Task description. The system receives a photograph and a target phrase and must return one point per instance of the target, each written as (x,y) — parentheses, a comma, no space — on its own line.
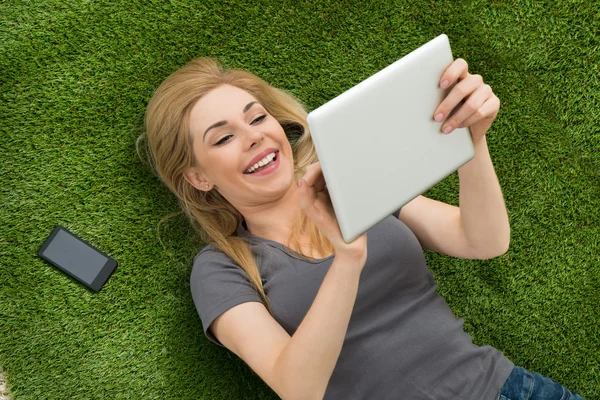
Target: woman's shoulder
(212,257)
(212,264)
(210,253)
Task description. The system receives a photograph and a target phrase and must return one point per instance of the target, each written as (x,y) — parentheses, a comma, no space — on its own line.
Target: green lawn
(75,77)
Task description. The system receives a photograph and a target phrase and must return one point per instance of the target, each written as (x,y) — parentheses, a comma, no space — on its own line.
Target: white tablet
(378,144)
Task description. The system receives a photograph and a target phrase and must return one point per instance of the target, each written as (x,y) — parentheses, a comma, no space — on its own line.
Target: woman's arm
(307,362)
(479,228)
(484,219)
(483,214)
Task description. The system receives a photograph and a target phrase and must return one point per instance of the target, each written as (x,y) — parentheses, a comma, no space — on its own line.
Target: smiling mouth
(258,168)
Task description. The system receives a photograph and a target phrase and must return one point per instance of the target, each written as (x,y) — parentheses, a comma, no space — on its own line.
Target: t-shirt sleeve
(218,284)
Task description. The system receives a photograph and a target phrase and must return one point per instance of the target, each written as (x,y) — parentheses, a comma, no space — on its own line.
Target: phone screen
(77,258)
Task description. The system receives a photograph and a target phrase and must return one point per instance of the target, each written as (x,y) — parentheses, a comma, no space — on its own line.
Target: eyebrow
(221,123)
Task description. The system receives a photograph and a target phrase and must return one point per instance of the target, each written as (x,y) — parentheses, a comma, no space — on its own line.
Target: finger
(459,92)
(457,70)
(327,200)
(489,109)
(317,208)
(311,173)
(306,197)
(314,176)
(472,104)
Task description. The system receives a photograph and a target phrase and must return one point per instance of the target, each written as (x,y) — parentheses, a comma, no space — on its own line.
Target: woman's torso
(403,341)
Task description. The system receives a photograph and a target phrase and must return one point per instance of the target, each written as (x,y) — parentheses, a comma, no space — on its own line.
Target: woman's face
(230,130)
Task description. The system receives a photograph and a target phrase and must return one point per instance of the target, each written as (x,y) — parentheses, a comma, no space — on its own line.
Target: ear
(197,179)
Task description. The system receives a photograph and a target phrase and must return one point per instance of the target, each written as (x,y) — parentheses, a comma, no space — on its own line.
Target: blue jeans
(525,385)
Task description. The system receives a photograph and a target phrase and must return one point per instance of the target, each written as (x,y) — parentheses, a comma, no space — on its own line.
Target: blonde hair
(170,153)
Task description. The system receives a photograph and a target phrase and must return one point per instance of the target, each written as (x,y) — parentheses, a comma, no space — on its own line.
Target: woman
(313,316)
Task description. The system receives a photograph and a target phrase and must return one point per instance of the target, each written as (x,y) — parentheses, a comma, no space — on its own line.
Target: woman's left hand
(478,105)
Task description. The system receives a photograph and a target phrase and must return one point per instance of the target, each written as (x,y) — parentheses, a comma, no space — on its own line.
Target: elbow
(499,248)
(295,389)
(488,243)
(504,244)
(488,254)
(500,251)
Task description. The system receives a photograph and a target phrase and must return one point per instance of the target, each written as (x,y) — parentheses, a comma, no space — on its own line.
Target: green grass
(75,79)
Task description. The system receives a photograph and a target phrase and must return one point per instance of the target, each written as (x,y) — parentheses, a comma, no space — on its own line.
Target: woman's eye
(259,119)
(222,140)
(255,121)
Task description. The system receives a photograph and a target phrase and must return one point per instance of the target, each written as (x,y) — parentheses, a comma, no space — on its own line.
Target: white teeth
(261,163)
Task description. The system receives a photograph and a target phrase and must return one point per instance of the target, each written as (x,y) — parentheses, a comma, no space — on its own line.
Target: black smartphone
(77,258)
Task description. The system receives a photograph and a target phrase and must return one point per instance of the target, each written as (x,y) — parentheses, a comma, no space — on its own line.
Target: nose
(254,137)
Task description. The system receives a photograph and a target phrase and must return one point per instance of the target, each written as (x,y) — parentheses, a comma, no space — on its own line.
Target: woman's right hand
(316,204)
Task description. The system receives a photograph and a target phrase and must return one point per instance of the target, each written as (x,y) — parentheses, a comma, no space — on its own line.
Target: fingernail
(439,117)
(444,84)
(447,129)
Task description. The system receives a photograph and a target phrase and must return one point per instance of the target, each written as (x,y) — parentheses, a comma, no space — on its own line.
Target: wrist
(351,259)
(480,141)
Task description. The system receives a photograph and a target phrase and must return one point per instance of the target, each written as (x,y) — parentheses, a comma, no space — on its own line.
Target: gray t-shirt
(402,342)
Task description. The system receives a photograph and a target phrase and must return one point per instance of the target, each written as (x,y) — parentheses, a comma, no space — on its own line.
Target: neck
(274,221)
